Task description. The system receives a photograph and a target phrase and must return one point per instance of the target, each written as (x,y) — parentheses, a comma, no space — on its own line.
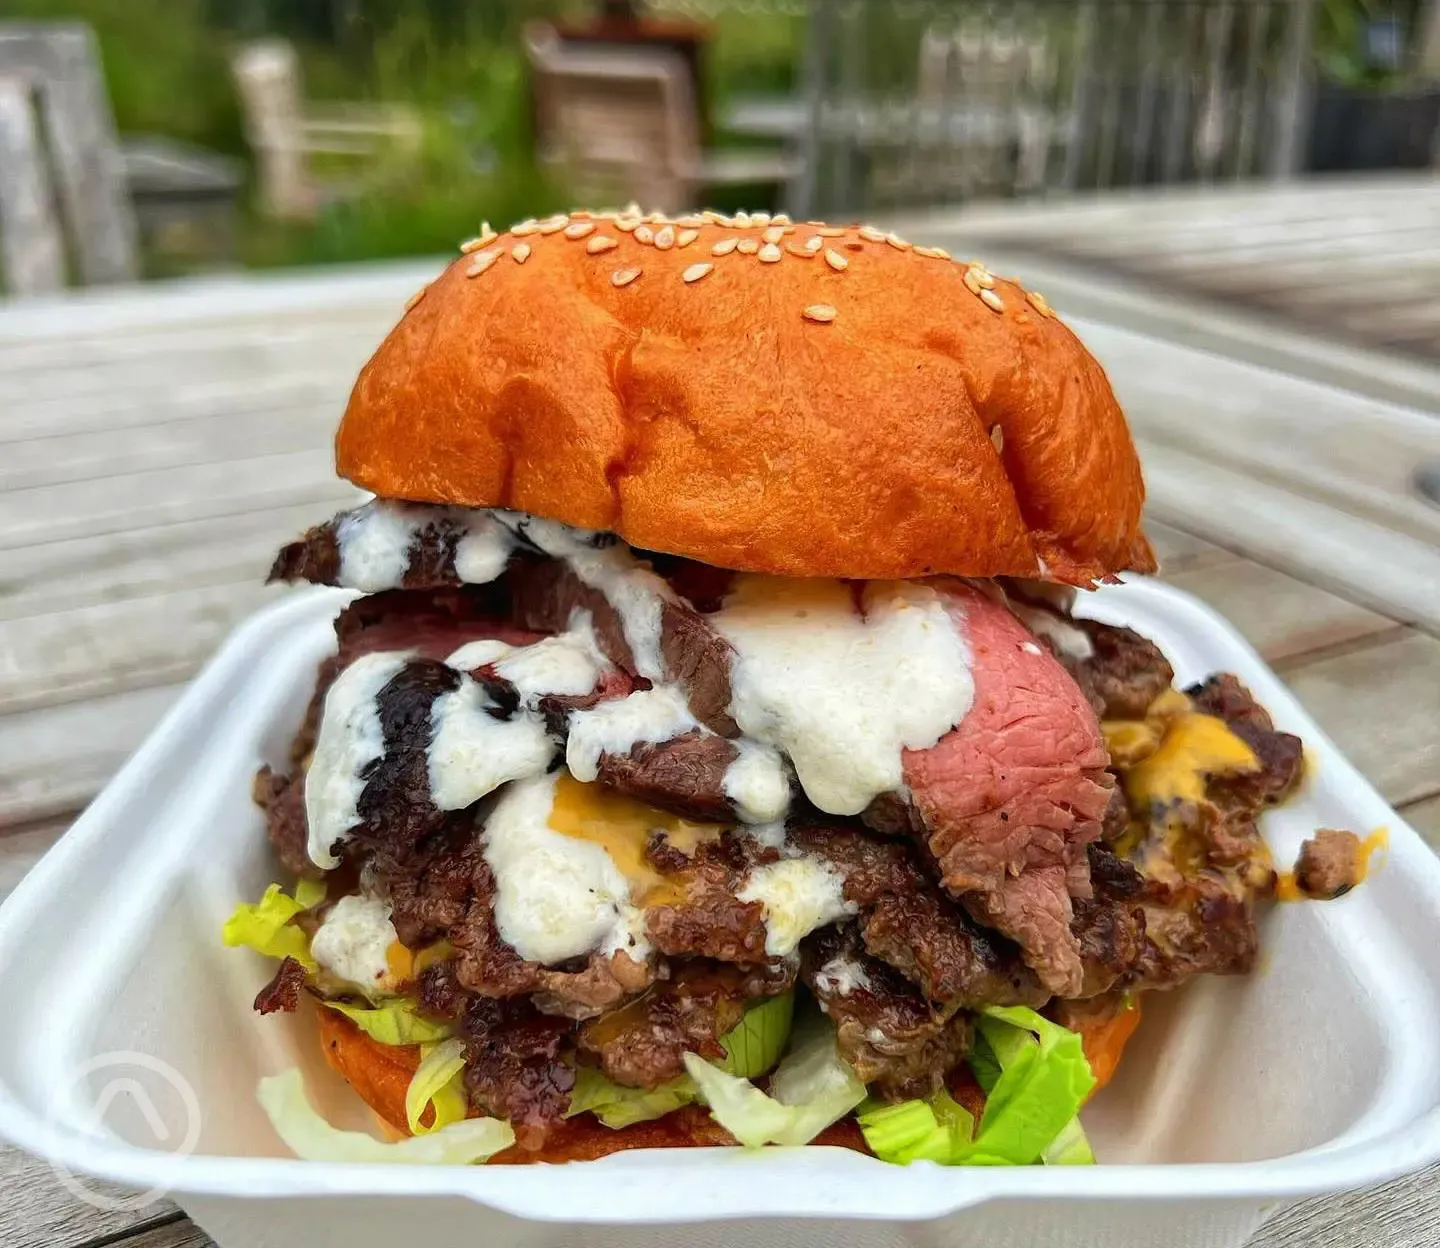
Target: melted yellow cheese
(1130,741)
(623,828)
(1194,746)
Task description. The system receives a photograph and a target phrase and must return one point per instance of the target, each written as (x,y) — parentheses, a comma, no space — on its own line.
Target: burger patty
(1012,872)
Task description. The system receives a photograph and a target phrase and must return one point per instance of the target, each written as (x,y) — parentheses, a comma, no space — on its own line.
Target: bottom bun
(380,1073)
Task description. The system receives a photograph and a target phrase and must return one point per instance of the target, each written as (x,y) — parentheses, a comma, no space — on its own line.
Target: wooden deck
(156,447)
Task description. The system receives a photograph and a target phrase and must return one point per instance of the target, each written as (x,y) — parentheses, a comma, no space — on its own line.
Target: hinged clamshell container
(1314,1074)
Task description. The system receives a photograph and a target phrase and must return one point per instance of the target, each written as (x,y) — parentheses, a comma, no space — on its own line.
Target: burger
(709,753)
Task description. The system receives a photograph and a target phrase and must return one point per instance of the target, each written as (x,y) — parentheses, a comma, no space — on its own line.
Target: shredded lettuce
(1035,1077)
(813,1087)
(266,927)
(755,1043)
(620,1107)
(309,1136)
(1044,1079)
(438,1082)
(394,1022)
(752,1047)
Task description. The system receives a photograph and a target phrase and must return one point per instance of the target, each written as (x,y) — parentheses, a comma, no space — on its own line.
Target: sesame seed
(992,300)
(814,244)
(644,234)
(623,277)
(473,244)
(934,253)
(997,436)
(1041,306)
(601,242)
(627,224)
(835,260)
(897,242)
(741,220)
(632,209)
(725,246)
(821,312)
(986,280)
(522,228)
(520,252)
(796,250)
(656,218)
(609,214)
(759,219)
(686,237)
(781,218)
(552,224)
(481,261)
(831,231)
(486,231)
(774,234)
(747,246)
(853,244)
(715,218)
(972,282)
(578,229)
(870,234)
(664,237)
(691,222)
(770,253)
(696,271)
(415,298)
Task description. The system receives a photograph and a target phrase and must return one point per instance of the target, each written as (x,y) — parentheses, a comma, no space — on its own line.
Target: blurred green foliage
(458,63)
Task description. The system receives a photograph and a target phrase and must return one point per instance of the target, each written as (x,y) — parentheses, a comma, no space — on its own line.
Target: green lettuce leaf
(752,1047)
(395,1022)
(1035,1077)
(309,1136)
(620,1107)
(813,1087)
(266,927)
(437,1081)
(755,1043)
(1044,1079)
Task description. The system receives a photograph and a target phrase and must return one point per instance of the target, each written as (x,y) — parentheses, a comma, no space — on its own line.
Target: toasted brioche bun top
(793,400)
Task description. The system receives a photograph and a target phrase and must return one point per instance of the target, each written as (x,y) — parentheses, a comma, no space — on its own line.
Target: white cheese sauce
(757,783)
(629,585)
(799,894)
(375,543)
(354,942)
(556,896)
(348,741)
(617,726)
(484,548)
(842,975)
(840,692)
(568,663)
(472,753)
(1070,641)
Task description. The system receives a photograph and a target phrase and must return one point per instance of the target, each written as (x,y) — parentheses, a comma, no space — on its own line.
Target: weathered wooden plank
(179,1233)
(1389,572)
(1381,705)
(1178,550)
(61,576)
(1278,615)
(36,1211)
(55,759)
(1424,817)
(170,444)
(23,846)
(111,647)
(1402,1214)
(163,496)
(30,240)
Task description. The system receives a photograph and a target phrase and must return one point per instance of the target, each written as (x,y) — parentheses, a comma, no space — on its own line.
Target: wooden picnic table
(158,445)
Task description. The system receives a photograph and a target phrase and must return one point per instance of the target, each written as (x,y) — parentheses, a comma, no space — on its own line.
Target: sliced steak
(1281,754)
(644,1044)
(515,1065)
(685,774)
(1329,865)
(702,917)
(1125,672)
(283,991)
(908,922)
(282,798)
(433,624)
(1110,925)
(898,1042)
(1010,798)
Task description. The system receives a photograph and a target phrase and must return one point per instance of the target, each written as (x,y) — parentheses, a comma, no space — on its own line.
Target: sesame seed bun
(794,400)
